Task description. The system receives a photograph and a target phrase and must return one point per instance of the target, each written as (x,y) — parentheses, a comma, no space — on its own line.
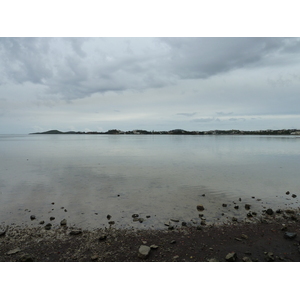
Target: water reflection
(88,177)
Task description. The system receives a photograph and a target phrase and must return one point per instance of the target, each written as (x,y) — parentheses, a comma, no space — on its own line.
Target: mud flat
(275,236)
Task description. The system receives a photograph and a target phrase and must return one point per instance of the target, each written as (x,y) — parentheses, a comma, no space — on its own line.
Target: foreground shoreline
(273,238)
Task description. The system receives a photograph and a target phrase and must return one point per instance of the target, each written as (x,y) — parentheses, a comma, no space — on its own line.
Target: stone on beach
(144,251)
(231,257)
(200,207)
(290,235)
(63,222)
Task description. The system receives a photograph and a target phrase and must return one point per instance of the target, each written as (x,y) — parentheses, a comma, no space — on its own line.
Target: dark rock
(247,206)
(135,216)
(203,195)
(63,222)
(32,217)
(52,218)
(174,220)
(201,215)
(48,226)
(270,211)
(200,207)
(42,222)
(144,251)
(278,211)
(2,233)
(65,210)
(135,219)
(199,227)
(173,242)
(183,224)
(108,217)
(52,203)
(203,223)
(148,217)
(294,196)
(102,237)
(171,227)
(111,222)
(236,207)
(224,205)
(234,219)
(249,215)
(287,192)
(290,235)
(75,232)
(269,256)
(231,257)
(240,199)
(141,220)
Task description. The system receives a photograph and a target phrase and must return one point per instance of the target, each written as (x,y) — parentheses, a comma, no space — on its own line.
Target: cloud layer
(183,80)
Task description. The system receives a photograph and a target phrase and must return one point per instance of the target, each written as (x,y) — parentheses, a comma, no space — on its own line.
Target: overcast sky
(88,84)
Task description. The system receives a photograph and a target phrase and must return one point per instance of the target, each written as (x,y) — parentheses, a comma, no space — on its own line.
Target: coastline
(274,237)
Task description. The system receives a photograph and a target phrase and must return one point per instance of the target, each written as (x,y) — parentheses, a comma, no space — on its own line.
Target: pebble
(290,235)
(42,222)
(224,205)
(144,251)
(173,242)
(135,216)
(247,206)
(270,211)
(141,220)
(52,218)
(111,222)
(14,251)
(95,257)
(48,226)
(231,257)
(32,217)
(153,246)
(247,259)
(174,220)
(200,207)
(108,217)
(63,222)
(294,196)
(244,236)
(236,207)
(75,232)
(102,237)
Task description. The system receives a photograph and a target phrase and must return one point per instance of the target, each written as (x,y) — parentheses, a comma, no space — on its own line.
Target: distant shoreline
(184,132)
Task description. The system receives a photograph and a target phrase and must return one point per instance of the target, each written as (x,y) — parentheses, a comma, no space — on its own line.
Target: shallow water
(161,176)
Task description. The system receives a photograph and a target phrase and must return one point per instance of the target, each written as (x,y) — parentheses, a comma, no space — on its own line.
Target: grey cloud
(186,114)
(221,113)
(71,68)
(205,120)
(236,119)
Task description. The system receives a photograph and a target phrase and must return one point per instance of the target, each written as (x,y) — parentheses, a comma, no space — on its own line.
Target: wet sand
(273,237)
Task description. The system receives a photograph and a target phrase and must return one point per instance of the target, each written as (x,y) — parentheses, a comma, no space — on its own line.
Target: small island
(184,132)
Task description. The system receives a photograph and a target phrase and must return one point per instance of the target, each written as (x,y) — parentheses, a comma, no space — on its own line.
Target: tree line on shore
(184,132)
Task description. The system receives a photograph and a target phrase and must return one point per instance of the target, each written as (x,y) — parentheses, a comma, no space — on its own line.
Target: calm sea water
(91,176)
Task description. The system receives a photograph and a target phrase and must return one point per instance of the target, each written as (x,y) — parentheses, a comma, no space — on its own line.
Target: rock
(32,217)
(111,222)
(270,211)
(269,256)
(141,220)
(52,218)
(153,246)
(238,239)
(25,258)
(174,220)
(65,210)
(201,215)
(249,215)
(135,216)
(247,259)
(200,207)
(148,217)
(183,224)
(171,227)
(244,236)
(247,206)
(173,242)
(287,192)
(294,196)
(290,235)
(224,205)
(75,232)
(284,227)
(108,217)
(236,207)
(52,203)
(94,257)
(2,233)
(199,227)
(203,223)
(212,260)
(48,226)
(102,237)
(203,195)
(234,219)
(63,222)
(144,251)
(231,256)
(14,251)
(167,224)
